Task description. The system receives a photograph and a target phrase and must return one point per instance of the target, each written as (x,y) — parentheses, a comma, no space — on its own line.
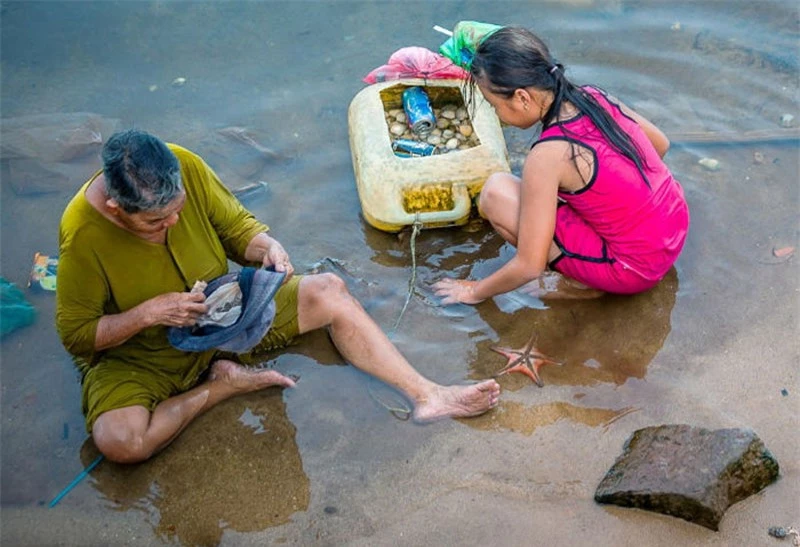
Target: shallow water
(713,345)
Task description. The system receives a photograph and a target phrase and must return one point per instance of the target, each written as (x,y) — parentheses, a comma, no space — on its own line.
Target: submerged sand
(715,344)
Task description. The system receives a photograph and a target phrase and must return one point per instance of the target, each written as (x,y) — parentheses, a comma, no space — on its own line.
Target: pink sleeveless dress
(620,233)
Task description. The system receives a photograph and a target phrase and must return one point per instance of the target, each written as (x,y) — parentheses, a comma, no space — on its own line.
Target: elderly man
(133,241)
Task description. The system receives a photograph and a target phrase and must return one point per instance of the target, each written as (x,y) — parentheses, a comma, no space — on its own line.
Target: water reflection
(236,467)
(526,419)
(609,339)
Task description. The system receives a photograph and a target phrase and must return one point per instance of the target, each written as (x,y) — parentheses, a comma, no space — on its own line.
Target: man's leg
(132,434)
(324,301)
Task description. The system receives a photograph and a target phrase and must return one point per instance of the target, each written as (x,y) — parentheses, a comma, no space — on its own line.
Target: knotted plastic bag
(415,62)
(467,36)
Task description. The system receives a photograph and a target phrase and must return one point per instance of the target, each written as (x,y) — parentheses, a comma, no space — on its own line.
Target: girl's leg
(500,205)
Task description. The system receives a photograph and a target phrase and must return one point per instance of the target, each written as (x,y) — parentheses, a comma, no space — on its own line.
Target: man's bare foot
(458,401)
(243,380)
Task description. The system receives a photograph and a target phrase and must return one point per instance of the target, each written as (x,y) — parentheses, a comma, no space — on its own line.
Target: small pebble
(785,392)
(787,120)
(401,117)
(758,157)
(452,144)
(709,163)
(465,129)
(153,88)
(331,510)
(777,532)
(676,25)
(177,82)
(397,128)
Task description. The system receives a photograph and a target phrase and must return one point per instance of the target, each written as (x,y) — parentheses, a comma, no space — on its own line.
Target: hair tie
(553,68)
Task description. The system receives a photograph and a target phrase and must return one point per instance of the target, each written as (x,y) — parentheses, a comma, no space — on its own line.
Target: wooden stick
(736,137)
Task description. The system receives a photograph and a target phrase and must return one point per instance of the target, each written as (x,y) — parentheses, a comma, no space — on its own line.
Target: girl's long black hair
(514,58)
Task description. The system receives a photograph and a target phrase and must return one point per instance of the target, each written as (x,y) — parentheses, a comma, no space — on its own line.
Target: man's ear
(113,206)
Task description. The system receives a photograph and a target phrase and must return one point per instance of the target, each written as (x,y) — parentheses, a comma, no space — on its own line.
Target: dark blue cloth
(258,288)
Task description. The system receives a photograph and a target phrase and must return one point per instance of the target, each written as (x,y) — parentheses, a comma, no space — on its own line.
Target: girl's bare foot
(244,380)
(552,286)
(457,401)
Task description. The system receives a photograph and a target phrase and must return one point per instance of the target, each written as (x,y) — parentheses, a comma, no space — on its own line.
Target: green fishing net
(467,36)
(15,311)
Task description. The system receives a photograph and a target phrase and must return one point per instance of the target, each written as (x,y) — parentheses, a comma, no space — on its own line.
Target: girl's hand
(455,291)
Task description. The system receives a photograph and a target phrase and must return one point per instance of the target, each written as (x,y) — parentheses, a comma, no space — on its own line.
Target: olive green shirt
(104,269)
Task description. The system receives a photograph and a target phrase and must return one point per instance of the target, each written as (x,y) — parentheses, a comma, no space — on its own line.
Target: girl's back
(644,220)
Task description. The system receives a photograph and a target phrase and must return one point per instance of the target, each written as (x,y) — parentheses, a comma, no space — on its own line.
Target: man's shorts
(113,384)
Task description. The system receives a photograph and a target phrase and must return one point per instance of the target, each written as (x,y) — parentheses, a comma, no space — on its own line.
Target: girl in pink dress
(595,203)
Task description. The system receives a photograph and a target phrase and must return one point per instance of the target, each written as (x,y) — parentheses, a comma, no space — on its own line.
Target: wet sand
(714,345)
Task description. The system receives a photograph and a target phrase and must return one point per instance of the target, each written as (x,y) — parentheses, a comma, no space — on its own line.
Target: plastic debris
(43,273)
(16,311)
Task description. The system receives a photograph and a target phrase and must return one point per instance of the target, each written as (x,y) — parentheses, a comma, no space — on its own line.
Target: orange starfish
(528,361)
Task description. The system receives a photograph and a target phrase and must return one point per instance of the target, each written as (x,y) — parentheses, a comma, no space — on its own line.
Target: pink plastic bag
(416,62)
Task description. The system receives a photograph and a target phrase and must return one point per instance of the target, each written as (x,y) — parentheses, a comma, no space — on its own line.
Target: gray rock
(688,472)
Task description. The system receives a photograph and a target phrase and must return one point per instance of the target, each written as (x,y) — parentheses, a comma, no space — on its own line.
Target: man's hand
(270,253)
(277,256)
(176,309)
(455,291)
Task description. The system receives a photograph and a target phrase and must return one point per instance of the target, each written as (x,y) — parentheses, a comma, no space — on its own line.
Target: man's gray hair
(141,172)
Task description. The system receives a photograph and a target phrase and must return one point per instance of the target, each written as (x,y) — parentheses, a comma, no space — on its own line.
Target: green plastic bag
(467,36)
(15,311)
